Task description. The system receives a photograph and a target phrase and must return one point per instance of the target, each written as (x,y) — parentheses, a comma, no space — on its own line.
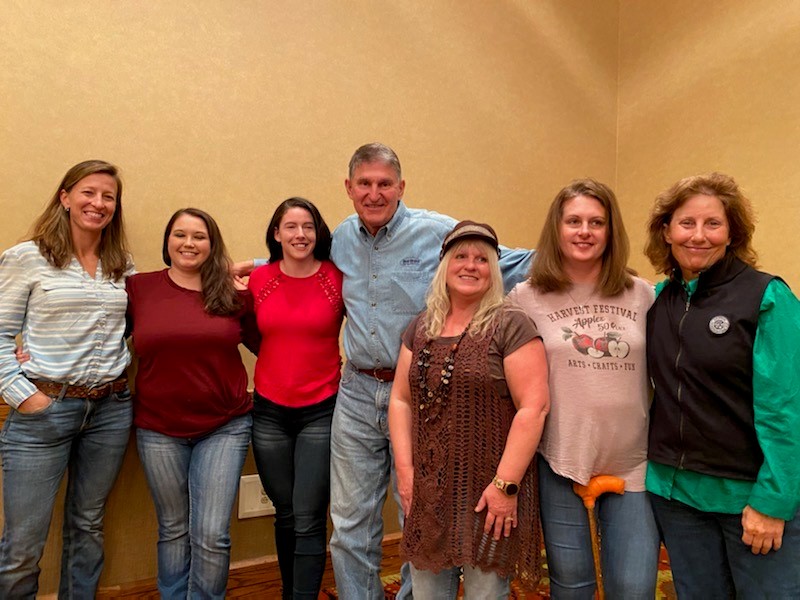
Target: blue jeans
(478,584)
(361,465)
(292,452)
(194,483)
(710,561)
(87,439)
(630,541)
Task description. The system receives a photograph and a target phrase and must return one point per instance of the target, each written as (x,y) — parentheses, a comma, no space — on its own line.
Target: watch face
(512,489)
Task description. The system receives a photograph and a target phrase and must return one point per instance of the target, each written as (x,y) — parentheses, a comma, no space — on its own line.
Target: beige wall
(234,106)
(713,86)
(492,107)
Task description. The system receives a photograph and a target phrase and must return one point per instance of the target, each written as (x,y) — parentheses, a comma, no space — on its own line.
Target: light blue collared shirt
(386,279)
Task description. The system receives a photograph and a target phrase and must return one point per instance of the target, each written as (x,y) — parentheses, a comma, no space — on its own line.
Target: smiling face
(376,191)
(698,234)
(91,203)
(583,232)
(296,234)
(188,245)
(468,274)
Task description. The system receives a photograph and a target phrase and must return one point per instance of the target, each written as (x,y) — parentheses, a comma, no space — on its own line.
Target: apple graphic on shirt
(618,349)
(601,345)
(582,343)
(595,353)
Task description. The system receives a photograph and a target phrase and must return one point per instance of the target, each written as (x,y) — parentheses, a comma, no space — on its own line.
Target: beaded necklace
(434,398)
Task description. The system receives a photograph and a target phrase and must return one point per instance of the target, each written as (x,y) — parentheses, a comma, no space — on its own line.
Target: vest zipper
(680,383)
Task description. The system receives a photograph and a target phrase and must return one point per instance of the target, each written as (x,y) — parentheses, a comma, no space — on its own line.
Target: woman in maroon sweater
(299,309)
(192,408)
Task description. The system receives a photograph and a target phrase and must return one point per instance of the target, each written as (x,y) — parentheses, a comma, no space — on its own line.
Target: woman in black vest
(722,354)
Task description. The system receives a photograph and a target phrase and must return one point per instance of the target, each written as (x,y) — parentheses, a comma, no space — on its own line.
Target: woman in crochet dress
(466,411)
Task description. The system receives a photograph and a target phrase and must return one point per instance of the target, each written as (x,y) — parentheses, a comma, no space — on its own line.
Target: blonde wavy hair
(438,300)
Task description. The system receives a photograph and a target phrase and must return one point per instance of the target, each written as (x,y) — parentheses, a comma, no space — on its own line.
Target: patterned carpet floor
(664,588)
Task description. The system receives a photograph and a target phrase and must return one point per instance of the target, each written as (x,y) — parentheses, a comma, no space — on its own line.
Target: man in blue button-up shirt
(388,254)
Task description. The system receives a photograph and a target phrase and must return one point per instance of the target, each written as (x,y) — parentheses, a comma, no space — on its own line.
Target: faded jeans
(361,466)
(194,483)
(85,438)
(630,541)
(478,584)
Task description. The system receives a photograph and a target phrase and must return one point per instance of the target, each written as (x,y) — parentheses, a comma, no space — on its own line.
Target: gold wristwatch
(509,488)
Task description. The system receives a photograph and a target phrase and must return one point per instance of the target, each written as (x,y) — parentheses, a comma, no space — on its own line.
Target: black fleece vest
(700,360)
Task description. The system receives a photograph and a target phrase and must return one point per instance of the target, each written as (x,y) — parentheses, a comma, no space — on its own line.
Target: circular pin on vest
(719,325)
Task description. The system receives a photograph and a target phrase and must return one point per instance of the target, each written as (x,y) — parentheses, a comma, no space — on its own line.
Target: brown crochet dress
(455,455)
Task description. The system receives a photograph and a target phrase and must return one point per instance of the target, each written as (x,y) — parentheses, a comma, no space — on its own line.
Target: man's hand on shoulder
(242,269)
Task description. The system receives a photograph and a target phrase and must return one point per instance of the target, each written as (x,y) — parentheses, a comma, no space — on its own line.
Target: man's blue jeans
(194,483)
(709,560)
(87,439)
(629,549)
(292,452)
(361,464)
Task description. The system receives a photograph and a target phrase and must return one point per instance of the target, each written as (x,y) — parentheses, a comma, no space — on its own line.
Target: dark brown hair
(219,294)
(322,247)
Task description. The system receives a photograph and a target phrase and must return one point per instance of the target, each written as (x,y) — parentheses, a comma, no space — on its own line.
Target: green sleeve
(776,402)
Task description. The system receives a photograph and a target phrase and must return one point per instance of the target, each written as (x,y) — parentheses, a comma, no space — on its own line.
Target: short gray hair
(375,152)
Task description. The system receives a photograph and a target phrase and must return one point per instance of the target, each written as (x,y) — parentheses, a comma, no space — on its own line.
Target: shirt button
(374,276)
(373,304)
(372,332)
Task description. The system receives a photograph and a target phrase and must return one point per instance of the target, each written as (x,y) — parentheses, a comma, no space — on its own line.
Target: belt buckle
(377,378)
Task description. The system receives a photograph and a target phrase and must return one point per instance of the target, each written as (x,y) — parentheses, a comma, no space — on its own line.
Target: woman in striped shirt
(64,291)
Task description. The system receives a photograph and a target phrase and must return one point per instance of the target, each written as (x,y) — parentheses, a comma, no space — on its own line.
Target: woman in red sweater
(192,408)
(299,311)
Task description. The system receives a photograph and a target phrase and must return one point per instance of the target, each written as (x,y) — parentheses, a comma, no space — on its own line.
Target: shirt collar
(391,227)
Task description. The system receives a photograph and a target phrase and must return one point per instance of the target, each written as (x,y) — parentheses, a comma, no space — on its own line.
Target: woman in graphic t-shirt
(591,312)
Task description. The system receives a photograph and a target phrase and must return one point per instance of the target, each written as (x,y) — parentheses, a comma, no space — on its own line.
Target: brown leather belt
(51,388)
(382,375)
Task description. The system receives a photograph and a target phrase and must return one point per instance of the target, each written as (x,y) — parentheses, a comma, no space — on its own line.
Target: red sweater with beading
(299,319)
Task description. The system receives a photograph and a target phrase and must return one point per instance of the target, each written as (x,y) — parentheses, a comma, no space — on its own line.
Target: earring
(66,208)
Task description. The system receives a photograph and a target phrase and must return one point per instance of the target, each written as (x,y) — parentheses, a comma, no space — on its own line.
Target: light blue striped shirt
(72,325)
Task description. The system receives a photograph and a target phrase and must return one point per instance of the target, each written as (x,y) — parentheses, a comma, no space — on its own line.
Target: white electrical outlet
(253,500)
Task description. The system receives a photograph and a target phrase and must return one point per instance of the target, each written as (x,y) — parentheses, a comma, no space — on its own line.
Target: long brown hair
(219,294)
(52,233)
(738,211)
(547,271)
